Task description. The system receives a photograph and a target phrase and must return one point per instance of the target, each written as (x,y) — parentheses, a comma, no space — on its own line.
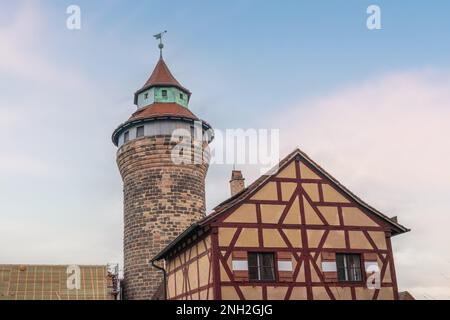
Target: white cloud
(23,49)
(53,192)
(16,38)
(387,140)
(8,118)
(54,242)
(22,164)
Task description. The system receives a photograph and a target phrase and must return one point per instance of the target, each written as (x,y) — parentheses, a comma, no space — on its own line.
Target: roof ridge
(283,162)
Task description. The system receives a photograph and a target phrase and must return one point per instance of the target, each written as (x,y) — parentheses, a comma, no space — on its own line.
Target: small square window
(140,131)
(181,96)
(126,137)
(349,267)
(164,93)
(261,266)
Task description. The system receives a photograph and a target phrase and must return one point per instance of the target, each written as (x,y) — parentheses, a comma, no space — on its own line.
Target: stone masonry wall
(161,200)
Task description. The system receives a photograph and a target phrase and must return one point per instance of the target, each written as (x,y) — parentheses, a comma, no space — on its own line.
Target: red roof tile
(163,109)
(161,76)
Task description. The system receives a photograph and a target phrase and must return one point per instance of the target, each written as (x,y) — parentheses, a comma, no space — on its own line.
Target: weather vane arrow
(159,37)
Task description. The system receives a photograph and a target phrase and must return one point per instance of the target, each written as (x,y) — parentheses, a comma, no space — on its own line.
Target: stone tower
(162,195)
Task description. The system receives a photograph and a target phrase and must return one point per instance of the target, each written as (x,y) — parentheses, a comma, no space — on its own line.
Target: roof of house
(252,188)
(49,282)
(227,204)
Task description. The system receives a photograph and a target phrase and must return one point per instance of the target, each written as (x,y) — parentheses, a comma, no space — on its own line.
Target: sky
(370,106)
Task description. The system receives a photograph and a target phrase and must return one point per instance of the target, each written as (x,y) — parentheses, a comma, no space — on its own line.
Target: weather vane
(161,45)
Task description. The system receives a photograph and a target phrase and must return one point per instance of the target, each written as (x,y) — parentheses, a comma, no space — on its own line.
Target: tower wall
(161,199)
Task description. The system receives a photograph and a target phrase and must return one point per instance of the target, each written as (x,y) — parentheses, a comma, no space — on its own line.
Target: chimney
(237,182)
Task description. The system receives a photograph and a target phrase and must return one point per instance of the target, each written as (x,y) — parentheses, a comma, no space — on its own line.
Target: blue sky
(361,102)
(298,48)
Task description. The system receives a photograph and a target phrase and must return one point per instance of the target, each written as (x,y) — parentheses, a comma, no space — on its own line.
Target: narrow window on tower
(164,94)
(126,137)
(181,96)
(261,266)
(140,131)
(349,267)
(146,96)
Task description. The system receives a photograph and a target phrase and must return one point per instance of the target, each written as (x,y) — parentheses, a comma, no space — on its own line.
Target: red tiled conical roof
(161,76)
(163,110)
(157,111)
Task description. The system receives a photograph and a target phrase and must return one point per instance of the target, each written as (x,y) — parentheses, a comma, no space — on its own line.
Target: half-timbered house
(295,233)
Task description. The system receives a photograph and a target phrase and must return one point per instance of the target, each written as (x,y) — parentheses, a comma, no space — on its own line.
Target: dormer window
(164,94)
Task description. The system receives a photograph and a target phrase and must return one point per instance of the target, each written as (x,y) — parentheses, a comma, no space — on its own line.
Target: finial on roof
(161,45)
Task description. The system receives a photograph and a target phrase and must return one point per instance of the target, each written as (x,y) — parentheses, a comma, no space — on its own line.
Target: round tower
(163,161)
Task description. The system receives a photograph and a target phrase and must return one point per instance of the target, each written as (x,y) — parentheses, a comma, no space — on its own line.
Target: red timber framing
(301,212)
(189,271)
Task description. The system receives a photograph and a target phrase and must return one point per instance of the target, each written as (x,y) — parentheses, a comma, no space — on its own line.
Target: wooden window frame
(274,267)
(361,267)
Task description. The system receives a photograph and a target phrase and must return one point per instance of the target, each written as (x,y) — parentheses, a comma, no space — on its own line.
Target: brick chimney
(237,182)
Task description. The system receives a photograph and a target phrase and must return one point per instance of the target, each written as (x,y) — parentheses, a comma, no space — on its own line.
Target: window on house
(261,266)
(181,96)
(349,267)
(145,96)
(140,131)
(164,93)
(126,137)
